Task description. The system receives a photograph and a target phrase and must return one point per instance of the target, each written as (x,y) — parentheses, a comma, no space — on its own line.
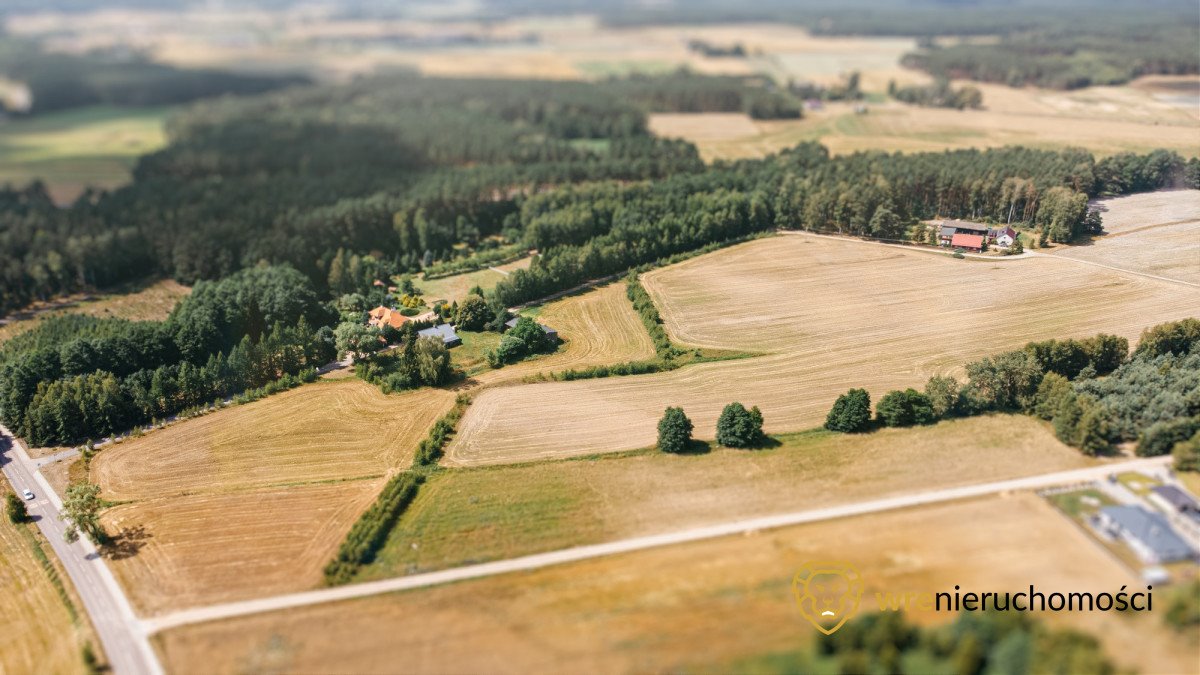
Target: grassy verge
(471,515)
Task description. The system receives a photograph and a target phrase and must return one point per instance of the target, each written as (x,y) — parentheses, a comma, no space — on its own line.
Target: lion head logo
(828,593)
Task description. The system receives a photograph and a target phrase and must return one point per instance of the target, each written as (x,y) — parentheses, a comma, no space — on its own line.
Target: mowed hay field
(689,606)
(499,512)
(151,303)
(327,430)
(1155,233)
(39,634)
(254,499)
(597,327)
(1104,120)
(832,314)
(183,551)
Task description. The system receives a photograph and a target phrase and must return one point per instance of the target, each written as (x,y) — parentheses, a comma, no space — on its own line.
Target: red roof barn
(971,242)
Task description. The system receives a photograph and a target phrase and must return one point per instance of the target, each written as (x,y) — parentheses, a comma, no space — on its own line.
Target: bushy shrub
(943,394)
(15,508)
(738,427)
(1187,454)
(905,408)
(851,412)
(674,431)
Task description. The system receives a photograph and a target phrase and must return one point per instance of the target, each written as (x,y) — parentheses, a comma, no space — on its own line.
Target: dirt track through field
(833,315)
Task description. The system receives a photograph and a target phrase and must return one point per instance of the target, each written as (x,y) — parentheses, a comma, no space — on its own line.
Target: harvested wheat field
(1154,233)
(731,595)
(500,512)
(39,633)
(181,551)
(323,431)
(598,327)
(832,314)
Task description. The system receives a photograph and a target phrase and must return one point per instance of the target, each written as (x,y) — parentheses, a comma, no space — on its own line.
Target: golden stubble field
(39,633)
(254,499)
(1154,232)
(832,314)
(686,607)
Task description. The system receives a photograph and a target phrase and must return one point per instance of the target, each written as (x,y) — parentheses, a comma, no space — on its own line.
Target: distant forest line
(419,171)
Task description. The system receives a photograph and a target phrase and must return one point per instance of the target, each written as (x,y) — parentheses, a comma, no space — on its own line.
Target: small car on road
(27,494)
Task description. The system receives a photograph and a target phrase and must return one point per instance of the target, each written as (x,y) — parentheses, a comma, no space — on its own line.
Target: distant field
(324,431)
(38,631)
(457,287)
(204,548)
(833,314)
(73,150)
(1156,233)
(474,515)
(1105,120)
(730,595)
(254,499)
(150,303)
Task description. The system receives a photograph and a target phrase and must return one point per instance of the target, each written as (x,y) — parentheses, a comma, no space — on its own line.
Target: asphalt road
(533,562)
(125,644)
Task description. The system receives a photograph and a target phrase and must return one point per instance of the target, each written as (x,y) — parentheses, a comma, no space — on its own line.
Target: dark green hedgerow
(368,535)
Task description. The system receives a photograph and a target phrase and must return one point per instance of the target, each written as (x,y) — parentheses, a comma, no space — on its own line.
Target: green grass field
(72,150)
(471,515)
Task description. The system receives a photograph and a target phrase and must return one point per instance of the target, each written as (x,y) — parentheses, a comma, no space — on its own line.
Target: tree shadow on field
(697,447)
(126,543)
(765,443)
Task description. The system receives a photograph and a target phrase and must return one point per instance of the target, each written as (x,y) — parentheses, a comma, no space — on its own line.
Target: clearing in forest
(831,314)
(149,303)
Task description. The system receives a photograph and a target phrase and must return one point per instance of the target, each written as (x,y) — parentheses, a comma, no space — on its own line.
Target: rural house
(949,228)
(385,316)
(1002,237)
(1148,534)
(444,332)
(1181,508)
(553,334)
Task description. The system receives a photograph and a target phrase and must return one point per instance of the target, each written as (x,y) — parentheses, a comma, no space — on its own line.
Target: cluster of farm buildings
(961,234)
(385,316)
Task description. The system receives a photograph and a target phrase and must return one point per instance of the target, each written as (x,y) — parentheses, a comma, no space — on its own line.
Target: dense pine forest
(418,171)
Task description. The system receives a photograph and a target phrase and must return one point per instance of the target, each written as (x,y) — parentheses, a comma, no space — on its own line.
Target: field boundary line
(161,623)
